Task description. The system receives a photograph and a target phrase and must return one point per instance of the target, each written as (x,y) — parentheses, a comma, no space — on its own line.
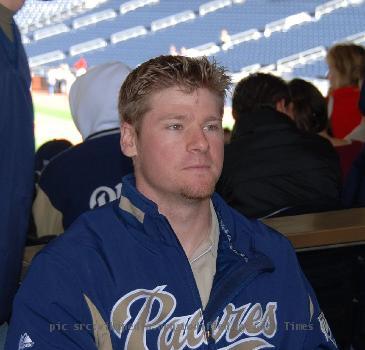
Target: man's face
(179,149)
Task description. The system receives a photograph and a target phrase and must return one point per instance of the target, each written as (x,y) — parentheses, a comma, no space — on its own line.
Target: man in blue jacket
(169,265)
(16,154)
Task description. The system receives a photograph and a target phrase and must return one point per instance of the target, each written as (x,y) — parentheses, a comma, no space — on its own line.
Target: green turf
(53,112)
(56,115)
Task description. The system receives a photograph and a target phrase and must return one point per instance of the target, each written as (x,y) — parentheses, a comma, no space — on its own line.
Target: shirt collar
(210,244)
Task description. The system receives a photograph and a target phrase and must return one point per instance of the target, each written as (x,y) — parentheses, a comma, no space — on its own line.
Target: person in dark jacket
(16,155)
(87,175)
(270,166)
(46,152)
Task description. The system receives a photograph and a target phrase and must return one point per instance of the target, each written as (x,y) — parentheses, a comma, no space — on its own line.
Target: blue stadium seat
(235,18)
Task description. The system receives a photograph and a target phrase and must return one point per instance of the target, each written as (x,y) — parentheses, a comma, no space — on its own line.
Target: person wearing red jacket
(346,63)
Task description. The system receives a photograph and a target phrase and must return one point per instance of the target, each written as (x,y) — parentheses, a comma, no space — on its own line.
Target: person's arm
(320,336)
(318,333)
(51,310)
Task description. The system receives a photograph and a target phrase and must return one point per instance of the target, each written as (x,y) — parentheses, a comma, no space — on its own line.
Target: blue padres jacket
(16,164)
(119,279)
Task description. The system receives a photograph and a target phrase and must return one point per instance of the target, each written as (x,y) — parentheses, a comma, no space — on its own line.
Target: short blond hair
(349,61)
(164,72)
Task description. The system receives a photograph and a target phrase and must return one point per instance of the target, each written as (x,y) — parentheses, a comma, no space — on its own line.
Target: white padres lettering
(103,195)
(189,331)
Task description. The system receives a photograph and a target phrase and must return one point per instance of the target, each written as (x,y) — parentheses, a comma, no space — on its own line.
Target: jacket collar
(231,224)
(135,202)
(99,134)
(238,263)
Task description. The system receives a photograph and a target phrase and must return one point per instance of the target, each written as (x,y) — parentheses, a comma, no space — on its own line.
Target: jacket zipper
(196,295)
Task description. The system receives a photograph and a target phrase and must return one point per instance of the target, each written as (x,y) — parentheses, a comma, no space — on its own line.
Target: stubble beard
(198,193)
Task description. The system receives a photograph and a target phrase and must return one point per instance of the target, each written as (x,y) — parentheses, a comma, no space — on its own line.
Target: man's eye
(175,127)
(212,127)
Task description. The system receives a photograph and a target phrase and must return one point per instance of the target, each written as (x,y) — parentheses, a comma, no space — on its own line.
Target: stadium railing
(322,230)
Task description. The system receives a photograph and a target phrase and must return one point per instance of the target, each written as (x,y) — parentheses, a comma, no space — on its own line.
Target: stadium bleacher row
(262,32)
(36,14)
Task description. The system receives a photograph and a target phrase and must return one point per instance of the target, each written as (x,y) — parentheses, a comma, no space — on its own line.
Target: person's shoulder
(101,149)
(88,231)
(88,240)
(64,166)
(346,92)
(57,176)
(267,238)
(264,238)
(102,141)
(271,243)
(313,141)
(238,150)
(323,146)
(59,164)
(247,230)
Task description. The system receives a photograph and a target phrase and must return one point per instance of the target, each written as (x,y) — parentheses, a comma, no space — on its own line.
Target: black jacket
(272,166)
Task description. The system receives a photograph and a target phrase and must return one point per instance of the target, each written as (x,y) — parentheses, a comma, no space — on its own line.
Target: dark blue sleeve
(319,336)
(50,311)
(318,332)
(16,169)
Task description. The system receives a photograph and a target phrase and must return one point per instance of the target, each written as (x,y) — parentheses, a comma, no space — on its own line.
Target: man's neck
(191,220)
(11,4)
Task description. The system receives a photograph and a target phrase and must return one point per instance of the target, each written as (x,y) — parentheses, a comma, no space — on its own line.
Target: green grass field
(53,119)
(62,114)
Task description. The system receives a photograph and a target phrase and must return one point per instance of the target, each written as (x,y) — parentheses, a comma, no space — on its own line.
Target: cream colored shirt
(203,261)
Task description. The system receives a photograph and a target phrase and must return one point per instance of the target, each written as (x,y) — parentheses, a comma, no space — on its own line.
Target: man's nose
(197,140)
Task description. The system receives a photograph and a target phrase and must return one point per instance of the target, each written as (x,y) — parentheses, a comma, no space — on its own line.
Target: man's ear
(128,139)
(290,110)
(281,106)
